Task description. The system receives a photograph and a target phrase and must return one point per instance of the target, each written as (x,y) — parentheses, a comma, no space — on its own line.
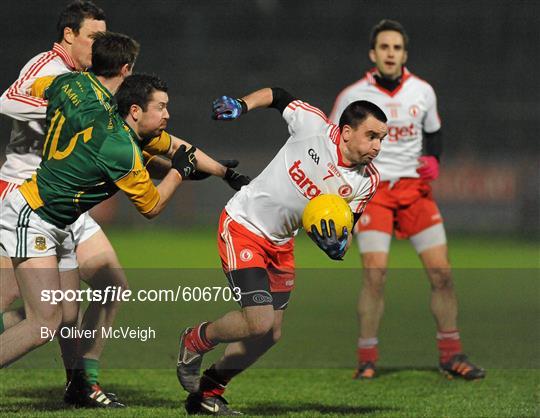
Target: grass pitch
(309,372)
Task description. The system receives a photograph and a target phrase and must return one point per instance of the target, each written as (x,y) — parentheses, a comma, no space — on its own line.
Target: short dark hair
(111,51)
(137,89)
(358,111)
(73,15)
(387,24)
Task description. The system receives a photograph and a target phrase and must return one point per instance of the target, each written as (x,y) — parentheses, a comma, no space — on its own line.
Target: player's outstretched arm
(228,108)
(207,166)
(183,164)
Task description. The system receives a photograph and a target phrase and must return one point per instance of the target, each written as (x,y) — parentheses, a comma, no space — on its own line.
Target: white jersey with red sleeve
(23,153)
(309,164)
(411,109)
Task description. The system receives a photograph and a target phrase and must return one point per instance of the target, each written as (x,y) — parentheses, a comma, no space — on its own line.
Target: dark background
(481,57)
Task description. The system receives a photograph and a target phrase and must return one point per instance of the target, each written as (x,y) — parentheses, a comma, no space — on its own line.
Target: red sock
(367,350)
(449,344)
(196,340)
(212,383)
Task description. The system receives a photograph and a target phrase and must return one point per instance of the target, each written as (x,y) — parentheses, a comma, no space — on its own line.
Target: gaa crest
(40,244)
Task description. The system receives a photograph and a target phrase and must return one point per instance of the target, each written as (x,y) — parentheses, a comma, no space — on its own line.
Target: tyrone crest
(345,190)
(246,255)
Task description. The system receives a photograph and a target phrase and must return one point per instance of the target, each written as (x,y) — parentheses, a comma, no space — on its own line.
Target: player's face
(81,43)
(389,54)
(362,145)
(154,120)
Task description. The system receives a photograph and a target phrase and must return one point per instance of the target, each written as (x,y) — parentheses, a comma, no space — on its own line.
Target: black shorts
(253,286)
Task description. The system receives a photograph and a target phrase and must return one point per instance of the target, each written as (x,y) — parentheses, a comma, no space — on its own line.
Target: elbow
(150,215)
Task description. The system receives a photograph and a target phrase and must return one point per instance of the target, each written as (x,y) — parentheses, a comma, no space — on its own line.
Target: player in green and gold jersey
(89,154)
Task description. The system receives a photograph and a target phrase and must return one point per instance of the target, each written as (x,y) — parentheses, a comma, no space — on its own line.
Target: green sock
(91,369)
(1,322)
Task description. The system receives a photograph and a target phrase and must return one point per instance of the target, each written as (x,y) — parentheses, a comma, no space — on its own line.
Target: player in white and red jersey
(408,162)
(77,23)
(258,225)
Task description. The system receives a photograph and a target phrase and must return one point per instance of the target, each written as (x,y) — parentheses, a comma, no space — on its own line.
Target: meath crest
(40,244)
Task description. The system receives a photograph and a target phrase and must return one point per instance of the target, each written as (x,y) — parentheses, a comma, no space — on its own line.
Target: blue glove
(228,108)
(333,246)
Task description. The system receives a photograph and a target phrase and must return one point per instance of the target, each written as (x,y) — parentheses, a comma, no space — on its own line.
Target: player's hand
(429,168)
(184,161)
(329,242)
(235,179)
(228,108)
(201,175)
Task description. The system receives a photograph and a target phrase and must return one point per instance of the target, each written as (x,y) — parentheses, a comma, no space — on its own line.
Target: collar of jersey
(132,133)
(94,80)
(341,163)
(62,53)
(371,79)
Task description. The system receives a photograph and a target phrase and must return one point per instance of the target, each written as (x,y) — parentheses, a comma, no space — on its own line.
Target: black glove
(201,175)
(236,180)
(333,246)
(184,161)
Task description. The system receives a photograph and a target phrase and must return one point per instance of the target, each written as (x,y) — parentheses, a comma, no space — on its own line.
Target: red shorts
(6,187)
(406,208)
(240,248)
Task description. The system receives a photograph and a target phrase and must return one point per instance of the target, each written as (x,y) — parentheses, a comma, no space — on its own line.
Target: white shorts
(83,228)
(23,234)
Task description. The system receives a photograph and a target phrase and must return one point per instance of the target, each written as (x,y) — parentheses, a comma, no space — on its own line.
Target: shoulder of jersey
(360,84)
(116,140)
(40,61)
(70,78)
(420,81)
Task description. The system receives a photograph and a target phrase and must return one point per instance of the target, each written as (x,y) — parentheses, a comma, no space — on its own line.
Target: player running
(404,203)
(258,225)
(76,25)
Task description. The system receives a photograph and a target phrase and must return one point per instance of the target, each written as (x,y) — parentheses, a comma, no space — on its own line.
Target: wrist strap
(244,105)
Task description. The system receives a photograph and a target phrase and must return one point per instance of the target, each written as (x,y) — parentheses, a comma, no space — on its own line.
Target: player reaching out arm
(228,108)
(206,166)
(258,225)
(163,143)
(137,108)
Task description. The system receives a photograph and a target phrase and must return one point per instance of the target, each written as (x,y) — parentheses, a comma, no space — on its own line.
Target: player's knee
(8,295)
(9,291)
(45,324)
(260,328)
(260,323)
(441,279)
(117,277)
(375,279)
(276,335)
(106,277)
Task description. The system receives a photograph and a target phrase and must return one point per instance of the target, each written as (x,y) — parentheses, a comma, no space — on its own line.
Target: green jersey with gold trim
(89,153)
